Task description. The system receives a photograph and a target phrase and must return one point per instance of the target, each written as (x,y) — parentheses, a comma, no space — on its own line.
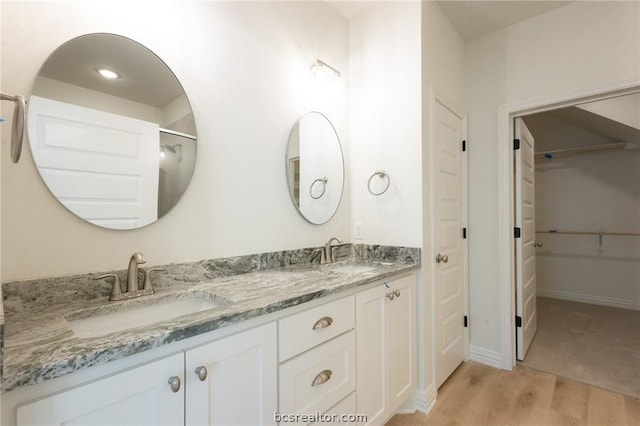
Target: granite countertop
(40,345)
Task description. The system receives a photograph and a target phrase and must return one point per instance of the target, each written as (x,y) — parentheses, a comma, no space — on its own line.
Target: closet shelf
(555,231)
(586,149)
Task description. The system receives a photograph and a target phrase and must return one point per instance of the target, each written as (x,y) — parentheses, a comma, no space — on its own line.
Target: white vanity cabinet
(386,348)
(240,388)
(233,381)
(140,396)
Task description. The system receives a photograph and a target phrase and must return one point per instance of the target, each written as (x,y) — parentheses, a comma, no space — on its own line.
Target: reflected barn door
(101,166)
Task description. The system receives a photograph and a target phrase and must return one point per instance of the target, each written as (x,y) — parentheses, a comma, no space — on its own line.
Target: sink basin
(102,321)
(350,268)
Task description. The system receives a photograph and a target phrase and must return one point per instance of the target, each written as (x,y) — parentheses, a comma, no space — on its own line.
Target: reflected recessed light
(108,73)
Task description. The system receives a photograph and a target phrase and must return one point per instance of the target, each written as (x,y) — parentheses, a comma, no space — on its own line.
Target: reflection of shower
(172,149)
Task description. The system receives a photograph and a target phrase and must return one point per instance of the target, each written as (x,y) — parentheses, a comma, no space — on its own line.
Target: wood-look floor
(479,395)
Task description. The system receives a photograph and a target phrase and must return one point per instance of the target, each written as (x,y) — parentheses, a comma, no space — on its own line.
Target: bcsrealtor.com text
(318,417)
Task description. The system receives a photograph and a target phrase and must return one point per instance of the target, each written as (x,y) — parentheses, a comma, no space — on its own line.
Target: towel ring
(17,126)
(323,181)
(383,175)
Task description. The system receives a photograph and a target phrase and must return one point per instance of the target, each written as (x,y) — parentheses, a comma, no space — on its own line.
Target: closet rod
(553,231)
(586,149)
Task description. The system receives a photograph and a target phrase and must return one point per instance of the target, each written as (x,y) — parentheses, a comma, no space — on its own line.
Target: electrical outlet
(358,231)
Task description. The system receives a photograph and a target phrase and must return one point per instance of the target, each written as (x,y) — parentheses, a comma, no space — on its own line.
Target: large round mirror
(111,131)
(315,168)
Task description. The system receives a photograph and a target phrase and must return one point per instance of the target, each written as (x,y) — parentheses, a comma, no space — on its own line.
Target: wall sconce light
(320,66)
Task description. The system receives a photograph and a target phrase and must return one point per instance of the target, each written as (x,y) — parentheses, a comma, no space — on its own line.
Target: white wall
(245,67)
(590,192)
(385,122)
(576,47)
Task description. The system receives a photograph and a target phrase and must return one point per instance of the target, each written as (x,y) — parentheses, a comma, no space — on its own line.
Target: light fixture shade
(319,66)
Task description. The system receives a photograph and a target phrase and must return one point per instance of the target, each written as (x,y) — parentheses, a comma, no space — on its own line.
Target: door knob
(441,258)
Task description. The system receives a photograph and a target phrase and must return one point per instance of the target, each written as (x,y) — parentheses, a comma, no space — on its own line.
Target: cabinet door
(141,396)
(240,387)
(402,351)
(371,371)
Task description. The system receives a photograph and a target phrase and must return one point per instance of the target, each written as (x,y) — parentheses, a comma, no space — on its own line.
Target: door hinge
(516,144)
(466,321)
(518,321)
(464,145)
(464,233)
(517,232)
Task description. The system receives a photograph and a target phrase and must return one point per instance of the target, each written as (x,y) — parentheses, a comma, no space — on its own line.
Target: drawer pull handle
(323,322)
(201,372)
(174,383)
(322,377)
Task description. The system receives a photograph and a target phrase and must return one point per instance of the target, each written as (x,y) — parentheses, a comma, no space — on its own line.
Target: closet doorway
(586,244)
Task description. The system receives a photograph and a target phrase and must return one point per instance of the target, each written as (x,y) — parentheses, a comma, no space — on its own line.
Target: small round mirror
(315,168)
(111,131)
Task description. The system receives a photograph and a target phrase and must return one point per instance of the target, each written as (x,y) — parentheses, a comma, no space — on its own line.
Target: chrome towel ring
(323,181)
(382,175)
(17,126)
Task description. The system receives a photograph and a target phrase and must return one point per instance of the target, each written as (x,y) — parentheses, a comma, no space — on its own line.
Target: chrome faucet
(328,250)
(133,286)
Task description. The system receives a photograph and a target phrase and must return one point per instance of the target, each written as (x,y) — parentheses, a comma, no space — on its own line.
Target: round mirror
(315,168)
(111,131)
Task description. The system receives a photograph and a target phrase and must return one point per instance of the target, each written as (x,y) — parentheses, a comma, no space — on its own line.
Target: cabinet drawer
(316,380)
(310,328)
(343,413)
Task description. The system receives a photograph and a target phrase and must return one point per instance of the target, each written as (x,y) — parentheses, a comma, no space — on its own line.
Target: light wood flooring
(479,395)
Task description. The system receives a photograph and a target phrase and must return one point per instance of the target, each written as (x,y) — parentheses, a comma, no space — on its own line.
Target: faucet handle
(147,279)
(116,290)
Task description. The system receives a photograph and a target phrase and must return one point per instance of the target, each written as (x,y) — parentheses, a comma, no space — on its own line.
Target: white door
(526,321)
(239,383)
(449,244)
(141,396)
(101,166)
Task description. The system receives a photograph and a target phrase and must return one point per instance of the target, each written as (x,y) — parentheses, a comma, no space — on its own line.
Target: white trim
(426,399)
(593,300)
(486,357)
(506,262)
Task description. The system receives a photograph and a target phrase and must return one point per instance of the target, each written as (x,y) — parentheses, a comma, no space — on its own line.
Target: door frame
(506,200)
(437,97)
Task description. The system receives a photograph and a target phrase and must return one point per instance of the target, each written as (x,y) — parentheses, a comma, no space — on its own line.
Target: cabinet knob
(538,244)
(391,295)
(397,293)
(322,377)
(441,258)
(174,383)
(323,322)
(201,372)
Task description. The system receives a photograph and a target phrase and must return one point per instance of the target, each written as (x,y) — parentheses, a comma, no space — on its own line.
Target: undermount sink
(101,321)
(350,268)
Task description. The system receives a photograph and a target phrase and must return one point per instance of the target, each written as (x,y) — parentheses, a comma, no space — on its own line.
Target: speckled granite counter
(40,345)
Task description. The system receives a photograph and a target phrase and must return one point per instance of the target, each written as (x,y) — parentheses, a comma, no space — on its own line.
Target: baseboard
(584,298)
(485,356)
(426,399)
